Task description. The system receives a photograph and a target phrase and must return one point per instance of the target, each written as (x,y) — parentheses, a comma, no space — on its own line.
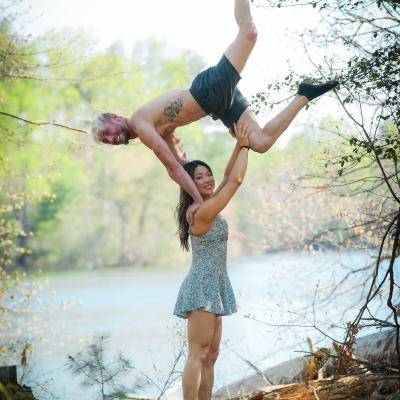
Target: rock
(378,348)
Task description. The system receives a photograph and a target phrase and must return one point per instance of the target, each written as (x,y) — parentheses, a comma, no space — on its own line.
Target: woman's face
(204,180)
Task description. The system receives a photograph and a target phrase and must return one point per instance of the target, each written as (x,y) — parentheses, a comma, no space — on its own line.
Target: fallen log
(353,387)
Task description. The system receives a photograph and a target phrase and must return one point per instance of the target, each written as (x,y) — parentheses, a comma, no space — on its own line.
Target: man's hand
(175,145)
(190,212)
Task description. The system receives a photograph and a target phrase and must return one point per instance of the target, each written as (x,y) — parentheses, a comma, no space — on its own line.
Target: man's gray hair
(98,124)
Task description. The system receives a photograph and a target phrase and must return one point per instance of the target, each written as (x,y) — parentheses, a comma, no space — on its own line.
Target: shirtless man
(213,92)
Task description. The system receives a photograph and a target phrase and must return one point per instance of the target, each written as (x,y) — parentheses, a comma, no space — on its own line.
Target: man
(213,92)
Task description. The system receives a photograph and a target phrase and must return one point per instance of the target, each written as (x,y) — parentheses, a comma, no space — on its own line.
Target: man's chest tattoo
(171,111)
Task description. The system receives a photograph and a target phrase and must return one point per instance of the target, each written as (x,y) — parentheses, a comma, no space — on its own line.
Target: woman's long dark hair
(185,200)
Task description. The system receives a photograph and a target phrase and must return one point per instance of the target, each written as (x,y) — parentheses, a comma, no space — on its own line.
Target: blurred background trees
(67,203)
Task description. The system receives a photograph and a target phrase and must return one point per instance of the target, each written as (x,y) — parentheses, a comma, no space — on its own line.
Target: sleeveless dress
(207,285)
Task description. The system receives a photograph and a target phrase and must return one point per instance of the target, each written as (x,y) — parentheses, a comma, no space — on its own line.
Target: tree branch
(42,123)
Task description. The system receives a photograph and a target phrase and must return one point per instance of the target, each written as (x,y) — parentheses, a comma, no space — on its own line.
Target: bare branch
(43,123)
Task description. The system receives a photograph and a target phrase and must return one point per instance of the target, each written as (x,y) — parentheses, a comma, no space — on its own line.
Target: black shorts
(216,92)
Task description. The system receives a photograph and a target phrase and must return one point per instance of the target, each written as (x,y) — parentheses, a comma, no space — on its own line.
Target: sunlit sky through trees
(206,27)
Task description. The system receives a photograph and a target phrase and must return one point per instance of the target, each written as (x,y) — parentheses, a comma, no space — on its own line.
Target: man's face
(113,133)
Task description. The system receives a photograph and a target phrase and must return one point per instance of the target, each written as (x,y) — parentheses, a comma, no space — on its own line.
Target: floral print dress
(207,285)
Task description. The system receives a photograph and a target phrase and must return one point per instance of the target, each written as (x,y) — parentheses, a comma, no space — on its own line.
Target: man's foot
(312,91)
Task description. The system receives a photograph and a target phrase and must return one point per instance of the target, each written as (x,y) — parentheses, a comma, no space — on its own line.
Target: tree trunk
(8,375)
(23,240)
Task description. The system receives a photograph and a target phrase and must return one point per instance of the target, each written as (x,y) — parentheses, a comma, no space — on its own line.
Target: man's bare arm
(150,137)
(175,145)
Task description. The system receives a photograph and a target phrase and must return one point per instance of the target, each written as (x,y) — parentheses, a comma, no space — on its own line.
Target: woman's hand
(242,134)
(190,212)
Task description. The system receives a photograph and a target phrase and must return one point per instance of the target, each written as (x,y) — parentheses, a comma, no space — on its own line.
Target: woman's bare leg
(207,372)
(240,49)
(201,326)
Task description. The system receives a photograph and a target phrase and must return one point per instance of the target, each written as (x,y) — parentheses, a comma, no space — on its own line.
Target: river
(135,309)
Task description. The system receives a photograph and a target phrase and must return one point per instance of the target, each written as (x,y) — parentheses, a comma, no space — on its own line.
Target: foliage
(18,293)
(67,180)
(65,203)
(104,191)
(366,162)
(103,374)
(100,373)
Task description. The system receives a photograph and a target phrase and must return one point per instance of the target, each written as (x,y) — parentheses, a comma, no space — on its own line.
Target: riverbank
(129,269)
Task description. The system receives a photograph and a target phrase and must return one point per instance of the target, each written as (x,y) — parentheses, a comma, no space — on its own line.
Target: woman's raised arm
(234,175)
(228,168)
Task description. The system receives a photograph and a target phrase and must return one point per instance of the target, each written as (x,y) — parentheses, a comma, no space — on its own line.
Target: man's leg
(261,139)
(277,125)
(207,371)
(280,122)
(239,50)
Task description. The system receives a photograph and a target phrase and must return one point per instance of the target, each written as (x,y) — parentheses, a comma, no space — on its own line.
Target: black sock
(312,91)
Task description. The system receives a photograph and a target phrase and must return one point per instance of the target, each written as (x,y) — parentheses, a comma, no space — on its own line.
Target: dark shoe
(312,91)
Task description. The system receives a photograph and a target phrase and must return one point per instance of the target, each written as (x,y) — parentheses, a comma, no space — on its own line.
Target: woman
(206,293)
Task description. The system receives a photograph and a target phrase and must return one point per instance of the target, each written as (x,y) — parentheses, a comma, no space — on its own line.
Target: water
(135,309)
